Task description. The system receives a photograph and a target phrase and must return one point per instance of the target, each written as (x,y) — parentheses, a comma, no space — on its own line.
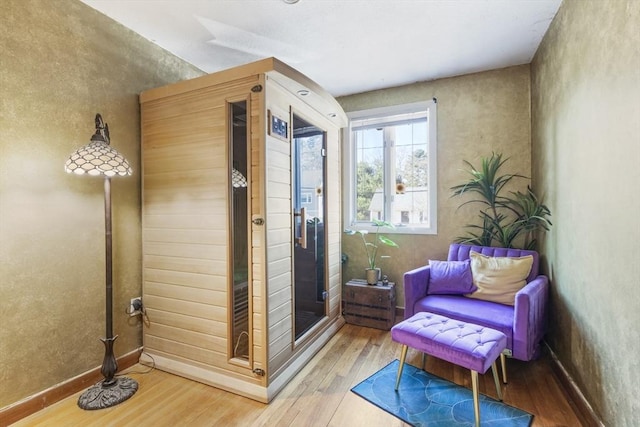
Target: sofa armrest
(530,318)
(416,283)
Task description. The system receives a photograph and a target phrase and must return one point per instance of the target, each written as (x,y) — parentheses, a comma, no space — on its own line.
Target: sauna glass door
(308,199)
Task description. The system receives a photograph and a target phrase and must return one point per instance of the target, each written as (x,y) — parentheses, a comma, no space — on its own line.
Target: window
(390,169)
(305,198)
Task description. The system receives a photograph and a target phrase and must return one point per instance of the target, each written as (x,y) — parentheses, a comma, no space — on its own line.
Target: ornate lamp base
(102,396)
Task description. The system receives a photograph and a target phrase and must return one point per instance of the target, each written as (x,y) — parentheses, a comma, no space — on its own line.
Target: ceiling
(346,46)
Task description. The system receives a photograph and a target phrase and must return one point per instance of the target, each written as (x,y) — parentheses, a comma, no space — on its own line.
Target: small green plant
(506,221)
(371,248)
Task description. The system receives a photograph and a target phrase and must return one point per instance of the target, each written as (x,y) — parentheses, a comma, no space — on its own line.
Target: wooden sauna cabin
(241,226)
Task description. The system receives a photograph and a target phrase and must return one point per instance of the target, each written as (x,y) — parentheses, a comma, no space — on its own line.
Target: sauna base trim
(206,376)
(239,386)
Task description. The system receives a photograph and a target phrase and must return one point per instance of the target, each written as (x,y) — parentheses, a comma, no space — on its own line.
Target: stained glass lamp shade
(98,157)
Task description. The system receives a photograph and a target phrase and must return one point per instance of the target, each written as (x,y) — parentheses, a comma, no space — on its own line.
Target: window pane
(369,148)
(410,206)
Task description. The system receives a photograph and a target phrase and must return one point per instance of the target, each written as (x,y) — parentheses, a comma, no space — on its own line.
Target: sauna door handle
(302,240)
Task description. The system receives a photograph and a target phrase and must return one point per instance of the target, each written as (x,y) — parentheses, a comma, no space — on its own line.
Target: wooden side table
(370,305)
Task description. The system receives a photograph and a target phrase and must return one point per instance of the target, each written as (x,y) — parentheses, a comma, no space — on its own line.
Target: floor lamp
(99,159)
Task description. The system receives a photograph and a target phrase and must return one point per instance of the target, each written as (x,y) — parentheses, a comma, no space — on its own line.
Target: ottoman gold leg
(494,369)
(403,356)
(503,363)
(476,403)
(424,361)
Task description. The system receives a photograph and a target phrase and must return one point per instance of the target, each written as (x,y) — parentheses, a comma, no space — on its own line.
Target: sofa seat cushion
(483,313)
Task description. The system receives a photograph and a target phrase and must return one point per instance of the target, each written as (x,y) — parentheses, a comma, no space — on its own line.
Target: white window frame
(349,170)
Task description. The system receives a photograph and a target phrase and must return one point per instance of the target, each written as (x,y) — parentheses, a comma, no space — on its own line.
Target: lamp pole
(109,364)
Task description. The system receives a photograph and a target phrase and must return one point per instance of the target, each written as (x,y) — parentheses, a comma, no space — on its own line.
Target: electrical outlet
(135,306)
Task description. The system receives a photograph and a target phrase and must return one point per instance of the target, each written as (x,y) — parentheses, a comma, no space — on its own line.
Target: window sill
(397,230)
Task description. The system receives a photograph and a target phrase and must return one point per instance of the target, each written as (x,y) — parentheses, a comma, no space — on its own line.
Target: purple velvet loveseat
(524,324)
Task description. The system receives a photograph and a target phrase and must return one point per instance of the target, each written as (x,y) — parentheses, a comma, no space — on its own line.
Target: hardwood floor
(318,396)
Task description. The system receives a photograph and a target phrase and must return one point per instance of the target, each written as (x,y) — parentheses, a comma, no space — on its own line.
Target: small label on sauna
(278,127)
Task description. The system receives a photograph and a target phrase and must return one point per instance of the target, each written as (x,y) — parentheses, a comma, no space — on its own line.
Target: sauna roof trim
(286,76)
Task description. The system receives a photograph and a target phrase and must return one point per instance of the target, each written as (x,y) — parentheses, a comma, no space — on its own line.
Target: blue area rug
(424,399)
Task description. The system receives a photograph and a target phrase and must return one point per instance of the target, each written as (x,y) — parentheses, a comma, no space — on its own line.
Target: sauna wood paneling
(279,234)
(206,341)
(185,226)
(186,293)
(187,221)
(205,282)
(182,250)
(194,309)
(186,265)
(205,326)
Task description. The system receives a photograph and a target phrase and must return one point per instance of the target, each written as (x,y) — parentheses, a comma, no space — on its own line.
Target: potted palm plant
(507,221)
(373,272)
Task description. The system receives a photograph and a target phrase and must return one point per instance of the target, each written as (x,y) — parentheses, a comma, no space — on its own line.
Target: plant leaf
(387,241)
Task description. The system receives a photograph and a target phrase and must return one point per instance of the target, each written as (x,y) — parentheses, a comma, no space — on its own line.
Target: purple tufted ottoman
(471,346)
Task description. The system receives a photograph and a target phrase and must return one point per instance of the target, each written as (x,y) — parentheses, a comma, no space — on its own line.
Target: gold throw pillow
(498,279)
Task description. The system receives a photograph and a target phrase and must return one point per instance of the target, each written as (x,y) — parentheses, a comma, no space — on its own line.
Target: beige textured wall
(586,158)
(61,62)
(477,114)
